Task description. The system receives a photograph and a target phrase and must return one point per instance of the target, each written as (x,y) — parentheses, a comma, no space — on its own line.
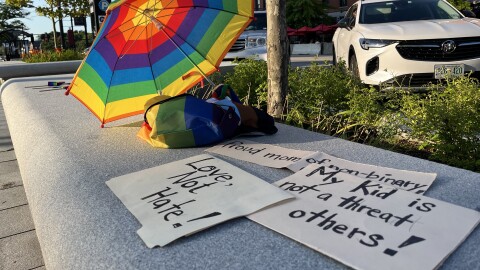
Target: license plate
(443,71)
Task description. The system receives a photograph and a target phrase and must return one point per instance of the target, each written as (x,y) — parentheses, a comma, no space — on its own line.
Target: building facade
(334,5)
(339,5)
(260,5)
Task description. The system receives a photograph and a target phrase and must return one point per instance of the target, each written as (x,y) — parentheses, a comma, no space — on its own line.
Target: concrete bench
(15,69)
(65,158)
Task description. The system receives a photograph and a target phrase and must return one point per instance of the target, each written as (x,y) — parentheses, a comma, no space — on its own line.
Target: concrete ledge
(10,70)
(65,158)
(17,70)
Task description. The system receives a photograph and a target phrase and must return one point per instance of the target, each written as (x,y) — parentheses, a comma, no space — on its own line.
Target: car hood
(410,30)
(254,33)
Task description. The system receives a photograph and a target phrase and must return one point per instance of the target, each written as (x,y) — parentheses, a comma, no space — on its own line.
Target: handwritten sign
(186,196)
(365,224)
(416,182)
(262,154)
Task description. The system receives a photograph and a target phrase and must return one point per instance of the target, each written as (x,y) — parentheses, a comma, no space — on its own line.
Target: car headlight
(367,43)
(256,41)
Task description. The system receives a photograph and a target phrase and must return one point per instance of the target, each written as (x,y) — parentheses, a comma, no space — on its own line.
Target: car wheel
(353,66)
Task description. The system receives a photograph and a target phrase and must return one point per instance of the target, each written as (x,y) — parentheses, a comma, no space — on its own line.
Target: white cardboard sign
(186,196)
(365,224)
(416,182)
(262,154)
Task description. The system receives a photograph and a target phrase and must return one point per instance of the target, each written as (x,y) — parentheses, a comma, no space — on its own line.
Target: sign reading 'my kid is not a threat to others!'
(416,182)
(366,224)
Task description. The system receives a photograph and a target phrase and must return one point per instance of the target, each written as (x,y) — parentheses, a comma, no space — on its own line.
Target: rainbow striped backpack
(186,121)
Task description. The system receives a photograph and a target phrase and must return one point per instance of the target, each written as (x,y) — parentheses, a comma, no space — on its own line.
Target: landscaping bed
(441,123)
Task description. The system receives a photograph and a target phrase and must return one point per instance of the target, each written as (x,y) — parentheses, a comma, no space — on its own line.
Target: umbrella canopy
(291,31)
(305,29)
(324,29)
(150,47)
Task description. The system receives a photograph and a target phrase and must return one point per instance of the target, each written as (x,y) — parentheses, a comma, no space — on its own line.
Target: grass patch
(53,56)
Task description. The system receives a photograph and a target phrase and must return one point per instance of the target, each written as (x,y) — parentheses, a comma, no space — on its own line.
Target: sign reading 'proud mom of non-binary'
(416,182)
(366,224)
(279,157)
(262,154)
(186,196)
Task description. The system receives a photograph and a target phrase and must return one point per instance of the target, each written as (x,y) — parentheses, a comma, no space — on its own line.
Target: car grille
(421,79)
(431,49)
(239,45)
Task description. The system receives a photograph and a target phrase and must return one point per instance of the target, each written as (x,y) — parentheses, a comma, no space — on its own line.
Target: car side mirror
(468,13)
(343,23)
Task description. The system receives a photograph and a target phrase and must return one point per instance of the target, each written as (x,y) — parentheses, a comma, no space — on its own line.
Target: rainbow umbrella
(150,47)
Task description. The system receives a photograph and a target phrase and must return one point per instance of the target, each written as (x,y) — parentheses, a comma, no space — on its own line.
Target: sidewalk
(19,247)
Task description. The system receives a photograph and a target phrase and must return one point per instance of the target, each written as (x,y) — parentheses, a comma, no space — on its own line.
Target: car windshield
(406,10)
(258,23)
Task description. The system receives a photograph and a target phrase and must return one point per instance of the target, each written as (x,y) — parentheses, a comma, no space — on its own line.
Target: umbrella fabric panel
(89,98)
(167,51)
(204,48)
(92,90)
(130,76)
(96,83)
(147,47)
(243,7)
(126,107)
(135,85)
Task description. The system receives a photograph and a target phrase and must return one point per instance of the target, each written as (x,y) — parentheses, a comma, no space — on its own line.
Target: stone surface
(81,224)
(19,246)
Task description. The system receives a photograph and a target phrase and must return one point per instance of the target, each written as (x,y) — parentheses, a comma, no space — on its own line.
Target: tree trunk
(54,33)
(60,24)
(278,57)
(86,34)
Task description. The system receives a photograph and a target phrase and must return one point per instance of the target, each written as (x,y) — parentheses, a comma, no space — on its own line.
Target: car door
(344,34)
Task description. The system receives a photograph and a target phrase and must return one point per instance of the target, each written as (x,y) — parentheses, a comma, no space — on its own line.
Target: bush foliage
(52,56)
(441,124)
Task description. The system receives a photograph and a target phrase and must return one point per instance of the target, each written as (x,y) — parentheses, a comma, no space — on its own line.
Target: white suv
(407,43)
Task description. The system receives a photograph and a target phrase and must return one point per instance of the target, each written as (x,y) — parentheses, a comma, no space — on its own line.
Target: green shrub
(51,56)
(316,95)
(446,120)
(249,79)
(442,124)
